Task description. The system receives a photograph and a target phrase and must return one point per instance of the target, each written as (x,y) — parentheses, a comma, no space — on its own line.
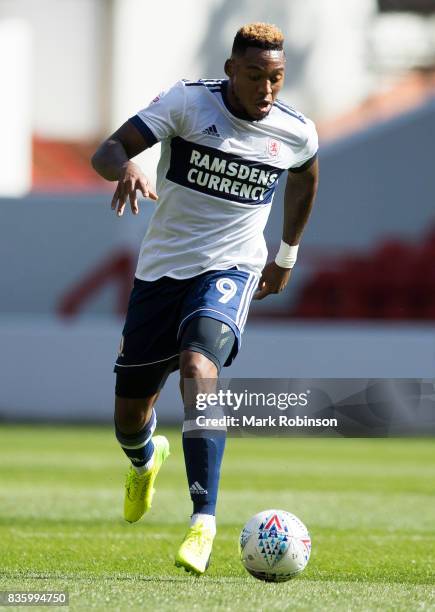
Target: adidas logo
(196,489)
(211,131)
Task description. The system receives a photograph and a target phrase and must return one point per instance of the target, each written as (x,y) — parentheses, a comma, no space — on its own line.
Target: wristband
(287,255)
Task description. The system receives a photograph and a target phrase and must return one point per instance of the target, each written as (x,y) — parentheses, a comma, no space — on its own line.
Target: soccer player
(225,143)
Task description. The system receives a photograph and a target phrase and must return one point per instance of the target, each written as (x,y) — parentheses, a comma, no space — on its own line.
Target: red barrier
(117,269)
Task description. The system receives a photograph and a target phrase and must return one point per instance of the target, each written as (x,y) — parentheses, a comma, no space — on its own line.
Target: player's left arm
(300,193)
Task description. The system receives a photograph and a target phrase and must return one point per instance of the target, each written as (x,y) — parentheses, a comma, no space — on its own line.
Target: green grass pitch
(369,505)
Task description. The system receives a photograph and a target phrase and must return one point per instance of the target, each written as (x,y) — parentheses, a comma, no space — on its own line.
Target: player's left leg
(213,316)
(205,346)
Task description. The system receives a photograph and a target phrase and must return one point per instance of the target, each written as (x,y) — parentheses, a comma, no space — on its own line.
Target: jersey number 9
(228,288)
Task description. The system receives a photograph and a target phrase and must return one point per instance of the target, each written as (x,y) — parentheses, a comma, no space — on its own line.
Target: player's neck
(232,102)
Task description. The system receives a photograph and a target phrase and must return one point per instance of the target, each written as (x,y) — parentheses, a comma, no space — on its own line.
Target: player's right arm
(112,161)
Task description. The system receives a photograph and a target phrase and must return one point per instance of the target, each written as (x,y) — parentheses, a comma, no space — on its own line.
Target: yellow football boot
(195,551)
(139,488)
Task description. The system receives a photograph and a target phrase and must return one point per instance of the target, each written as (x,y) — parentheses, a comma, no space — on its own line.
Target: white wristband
(287,255)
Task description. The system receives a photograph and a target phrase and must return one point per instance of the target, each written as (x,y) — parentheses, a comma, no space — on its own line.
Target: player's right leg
(146,357)
(135,422)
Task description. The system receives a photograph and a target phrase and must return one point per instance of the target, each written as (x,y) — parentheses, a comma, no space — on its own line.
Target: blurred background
(361,303)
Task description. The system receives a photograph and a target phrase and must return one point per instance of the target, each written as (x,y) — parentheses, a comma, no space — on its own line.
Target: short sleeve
(308,151)
(163,117)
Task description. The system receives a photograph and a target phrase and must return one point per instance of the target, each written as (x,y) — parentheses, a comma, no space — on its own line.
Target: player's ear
(229,67)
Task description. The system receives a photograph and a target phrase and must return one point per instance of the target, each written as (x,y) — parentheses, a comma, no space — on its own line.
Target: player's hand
(132,180)
(273,280)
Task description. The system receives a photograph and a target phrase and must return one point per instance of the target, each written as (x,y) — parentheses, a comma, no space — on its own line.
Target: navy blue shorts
(158,312)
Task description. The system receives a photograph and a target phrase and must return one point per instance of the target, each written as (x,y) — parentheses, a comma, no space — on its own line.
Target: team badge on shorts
(121,347)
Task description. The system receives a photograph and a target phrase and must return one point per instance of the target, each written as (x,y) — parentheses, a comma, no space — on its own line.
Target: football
(274,546)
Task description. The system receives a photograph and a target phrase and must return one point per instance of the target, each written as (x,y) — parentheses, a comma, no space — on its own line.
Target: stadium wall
(98,48)
(56,371)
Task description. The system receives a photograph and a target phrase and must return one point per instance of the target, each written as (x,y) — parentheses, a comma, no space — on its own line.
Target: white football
(274,546)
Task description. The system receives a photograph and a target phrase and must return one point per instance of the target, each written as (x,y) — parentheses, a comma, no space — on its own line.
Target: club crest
(157,98)
(274,147)
(121,347)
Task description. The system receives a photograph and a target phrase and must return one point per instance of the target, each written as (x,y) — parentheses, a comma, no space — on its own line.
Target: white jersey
(216,179)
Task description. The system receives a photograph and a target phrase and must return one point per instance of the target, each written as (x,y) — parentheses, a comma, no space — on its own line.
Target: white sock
(208,520)
(141,469)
